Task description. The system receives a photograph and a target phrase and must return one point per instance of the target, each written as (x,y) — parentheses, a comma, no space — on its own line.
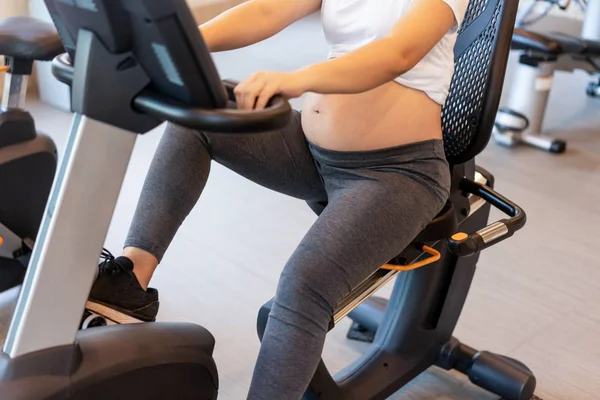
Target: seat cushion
(553,43)
(29,39)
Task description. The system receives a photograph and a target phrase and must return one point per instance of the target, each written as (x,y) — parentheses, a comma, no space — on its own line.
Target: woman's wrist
(307,79)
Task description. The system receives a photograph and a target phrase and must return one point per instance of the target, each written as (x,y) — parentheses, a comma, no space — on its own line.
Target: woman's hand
(256,91)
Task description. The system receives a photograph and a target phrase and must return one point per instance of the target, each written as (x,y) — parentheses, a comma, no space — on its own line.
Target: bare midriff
(387,116)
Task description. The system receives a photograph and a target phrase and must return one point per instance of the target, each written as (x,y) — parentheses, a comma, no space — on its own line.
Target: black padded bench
(24,40)
(554,44)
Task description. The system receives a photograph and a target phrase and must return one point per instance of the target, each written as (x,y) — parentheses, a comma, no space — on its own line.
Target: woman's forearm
(241,26)
(413,36)
(361,70)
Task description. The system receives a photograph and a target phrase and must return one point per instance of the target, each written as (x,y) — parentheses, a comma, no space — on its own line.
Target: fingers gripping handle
(230,86)
(464,245)
(224,120)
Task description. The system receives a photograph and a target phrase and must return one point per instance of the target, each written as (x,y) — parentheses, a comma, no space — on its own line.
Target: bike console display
(137,63)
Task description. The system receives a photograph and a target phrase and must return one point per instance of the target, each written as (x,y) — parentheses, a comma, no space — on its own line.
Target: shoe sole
(110,313)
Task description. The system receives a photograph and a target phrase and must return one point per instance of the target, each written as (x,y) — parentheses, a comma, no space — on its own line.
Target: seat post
(15,83)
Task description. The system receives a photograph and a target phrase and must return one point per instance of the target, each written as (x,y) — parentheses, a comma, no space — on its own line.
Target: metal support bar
(72,233)
(530,92)
(371,285)
(568,63)
(529,97)
(541,142)
(15,91)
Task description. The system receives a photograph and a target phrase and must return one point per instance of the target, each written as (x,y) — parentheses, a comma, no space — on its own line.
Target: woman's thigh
(279,160)
(371,217)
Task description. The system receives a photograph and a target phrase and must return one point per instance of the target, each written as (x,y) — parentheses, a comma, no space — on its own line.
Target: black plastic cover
(16,126)
(168,44)
(106,19)
(12,273)
(152,361)
(162,36)
(26,175)
(149,107)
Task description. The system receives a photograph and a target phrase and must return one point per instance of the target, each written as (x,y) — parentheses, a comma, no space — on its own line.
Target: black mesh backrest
(481,54)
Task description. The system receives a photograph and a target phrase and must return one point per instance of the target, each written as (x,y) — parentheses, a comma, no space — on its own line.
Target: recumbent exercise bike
(27,158)
(152,51)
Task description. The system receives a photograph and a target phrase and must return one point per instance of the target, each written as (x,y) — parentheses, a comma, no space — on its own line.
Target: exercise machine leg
(498,374)
(529,96)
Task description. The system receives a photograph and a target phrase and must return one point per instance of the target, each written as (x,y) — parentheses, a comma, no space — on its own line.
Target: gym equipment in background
(27,158)
(538,9)
(540,55)
(146,59)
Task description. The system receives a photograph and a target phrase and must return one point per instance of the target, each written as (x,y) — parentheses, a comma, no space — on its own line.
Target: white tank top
(350,24)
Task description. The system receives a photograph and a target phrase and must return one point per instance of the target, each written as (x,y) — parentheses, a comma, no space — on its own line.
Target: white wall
(572,12)
(51,91)
(13,7)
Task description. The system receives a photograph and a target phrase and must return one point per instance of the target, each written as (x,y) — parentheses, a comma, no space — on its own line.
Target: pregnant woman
(368,142)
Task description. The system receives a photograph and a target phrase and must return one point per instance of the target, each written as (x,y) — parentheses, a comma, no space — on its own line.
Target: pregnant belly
(390,115)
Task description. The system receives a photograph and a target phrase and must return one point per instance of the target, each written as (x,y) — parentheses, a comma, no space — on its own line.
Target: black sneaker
(117,294)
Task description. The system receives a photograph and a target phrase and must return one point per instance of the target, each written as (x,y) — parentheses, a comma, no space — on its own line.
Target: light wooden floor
(535,297)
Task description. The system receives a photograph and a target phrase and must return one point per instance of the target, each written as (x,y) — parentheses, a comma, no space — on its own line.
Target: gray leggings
(378,201)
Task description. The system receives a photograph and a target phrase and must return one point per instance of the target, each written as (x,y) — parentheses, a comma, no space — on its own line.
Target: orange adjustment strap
(1,240)
(4,68)
(435,255)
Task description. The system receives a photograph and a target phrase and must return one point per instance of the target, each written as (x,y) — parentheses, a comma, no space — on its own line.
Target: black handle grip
(464,245)
(230,86)
(62,69)
(276,115)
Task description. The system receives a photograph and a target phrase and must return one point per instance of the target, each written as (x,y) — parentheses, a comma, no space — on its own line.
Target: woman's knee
(310,287)
(183,137)
(181,150)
